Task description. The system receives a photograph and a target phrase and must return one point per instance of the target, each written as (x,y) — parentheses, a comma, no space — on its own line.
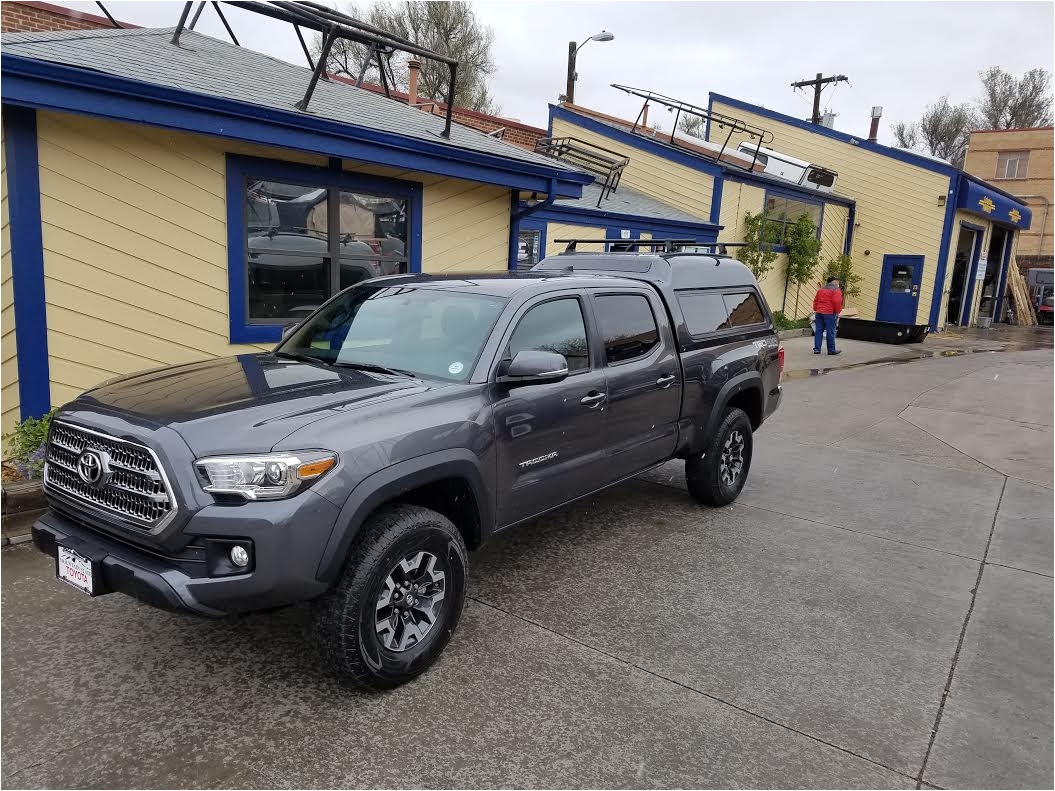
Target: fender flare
(392,482)
(749,380)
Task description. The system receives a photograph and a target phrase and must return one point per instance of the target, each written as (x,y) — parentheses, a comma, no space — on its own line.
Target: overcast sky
(900,55)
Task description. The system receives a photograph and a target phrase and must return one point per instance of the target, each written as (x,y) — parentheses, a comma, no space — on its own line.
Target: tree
(756,254)
(1007,103)
(942,131)
(450,29)
(804,250)
(842,267)
(692,125)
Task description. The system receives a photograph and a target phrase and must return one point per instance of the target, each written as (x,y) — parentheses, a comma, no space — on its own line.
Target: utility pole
(818,84)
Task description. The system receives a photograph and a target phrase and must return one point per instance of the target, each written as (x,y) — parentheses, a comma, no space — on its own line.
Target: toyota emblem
(93,468)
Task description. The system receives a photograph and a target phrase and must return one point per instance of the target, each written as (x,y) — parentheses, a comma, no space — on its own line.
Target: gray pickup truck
(404,422)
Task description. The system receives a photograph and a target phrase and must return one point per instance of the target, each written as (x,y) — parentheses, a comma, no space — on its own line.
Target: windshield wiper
(307,358)
(380,369)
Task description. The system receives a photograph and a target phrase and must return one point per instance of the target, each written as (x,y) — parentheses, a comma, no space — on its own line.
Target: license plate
(75,569)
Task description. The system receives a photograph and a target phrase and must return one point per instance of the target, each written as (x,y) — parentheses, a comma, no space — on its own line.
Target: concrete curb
(801,332)
(23,504)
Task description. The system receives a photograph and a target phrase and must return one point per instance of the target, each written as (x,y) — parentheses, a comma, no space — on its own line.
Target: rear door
(550,437)
(644,379)
(899,288)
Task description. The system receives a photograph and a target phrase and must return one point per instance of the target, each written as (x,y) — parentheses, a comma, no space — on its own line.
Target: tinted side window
(704,311)
(628,326)
(555,326)
(744,310)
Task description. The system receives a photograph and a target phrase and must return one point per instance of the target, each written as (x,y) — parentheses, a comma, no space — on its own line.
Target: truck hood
(243,404)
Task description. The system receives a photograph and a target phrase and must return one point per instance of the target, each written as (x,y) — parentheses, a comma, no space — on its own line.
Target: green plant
(756,254)
(804,249)
(842,267)
(784,323)
(25,445)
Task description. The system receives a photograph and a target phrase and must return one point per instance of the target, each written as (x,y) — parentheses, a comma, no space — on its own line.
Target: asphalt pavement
(875,611)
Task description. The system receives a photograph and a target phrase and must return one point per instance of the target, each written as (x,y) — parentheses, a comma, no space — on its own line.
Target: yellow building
(1021,161)
(163,203)
(931,242)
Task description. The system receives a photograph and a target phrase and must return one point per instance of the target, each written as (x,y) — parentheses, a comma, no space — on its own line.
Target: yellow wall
(659,178)
(9,366)
(897,204)
(556,230)
(135,254)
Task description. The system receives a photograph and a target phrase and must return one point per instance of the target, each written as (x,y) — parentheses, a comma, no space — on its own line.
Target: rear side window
(555,326)
(704,311)
(744,309)
(628,326)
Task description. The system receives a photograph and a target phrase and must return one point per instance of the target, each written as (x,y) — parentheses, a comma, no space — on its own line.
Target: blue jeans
(825,322)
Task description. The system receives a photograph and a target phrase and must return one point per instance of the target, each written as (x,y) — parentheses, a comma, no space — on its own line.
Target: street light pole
(573,52)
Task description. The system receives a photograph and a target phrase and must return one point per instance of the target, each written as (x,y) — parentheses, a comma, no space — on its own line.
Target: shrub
(25,445)
(757,254)
(842,267)
(784,323)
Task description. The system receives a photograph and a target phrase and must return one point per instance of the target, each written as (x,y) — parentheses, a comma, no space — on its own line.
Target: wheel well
(454,498)
(749,400)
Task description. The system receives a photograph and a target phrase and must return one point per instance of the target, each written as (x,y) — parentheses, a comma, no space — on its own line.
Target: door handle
(593,400)
(666,381)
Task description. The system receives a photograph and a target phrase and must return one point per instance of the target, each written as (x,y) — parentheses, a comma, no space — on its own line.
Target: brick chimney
(873,132)
(414,66)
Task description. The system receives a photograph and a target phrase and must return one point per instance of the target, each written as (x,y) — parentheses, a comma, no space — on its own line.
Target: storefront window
(782,212)
(528,253)
(296,232)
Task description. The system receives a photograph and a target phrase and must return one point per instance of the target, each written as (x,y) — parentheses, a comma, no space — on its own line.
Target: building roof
(626,201)
(212,68)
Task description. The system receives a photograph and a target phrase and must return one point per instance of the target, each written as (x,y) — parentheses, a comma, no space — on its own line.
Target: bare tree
(1007,103)
(692,125)
(942,130)
(450,29)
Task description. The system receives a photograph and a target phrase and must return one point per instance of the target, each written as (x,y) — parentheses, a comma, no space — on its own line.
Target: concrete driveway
(875,611)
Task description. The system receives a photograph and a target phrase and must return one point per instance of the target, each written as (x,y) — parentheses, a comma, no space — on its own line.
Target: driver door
(550,437)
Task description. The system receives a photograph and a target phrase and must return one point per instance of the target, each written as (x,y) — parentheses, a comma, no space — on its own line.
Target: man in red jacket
(828,304)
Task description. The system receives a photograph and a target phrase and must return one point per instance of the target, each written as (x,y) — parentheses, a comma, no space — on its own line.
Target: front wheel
(398,600)
(717,476)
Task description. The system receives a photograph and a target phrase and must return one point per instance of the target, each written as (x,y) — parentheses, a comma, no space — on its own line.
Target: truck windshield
(426,332)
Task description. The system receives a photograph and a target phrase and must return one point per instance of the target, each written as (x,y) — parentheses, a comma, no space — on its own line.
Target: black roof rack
(666,245)
(763,136)
(602,162)
(335,25)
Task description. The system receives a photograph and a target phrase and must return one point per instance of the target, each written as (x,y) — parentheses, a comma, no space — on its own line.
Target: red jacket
(829,301)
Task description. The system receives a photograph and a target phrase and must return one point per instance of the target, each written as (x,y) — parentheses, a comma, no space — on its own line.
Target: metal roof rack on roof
(665,245)
(335,25)
(723,121)
(602,162)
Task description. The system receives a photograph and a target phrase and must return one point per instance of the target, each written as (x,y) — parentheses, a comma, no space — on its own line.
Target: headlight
(268,476)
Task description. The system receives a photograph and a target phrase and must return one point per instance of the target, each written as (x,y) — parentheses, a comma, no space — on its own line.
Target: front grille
(136,491)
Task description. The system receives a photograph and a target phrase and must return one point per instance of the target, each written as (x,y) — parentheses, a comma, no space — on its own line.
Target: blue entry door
(899,288)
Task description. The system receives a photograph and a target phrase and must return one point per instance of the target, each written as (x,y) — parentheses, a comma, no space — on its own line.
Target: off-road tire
(703,472)
(344,626)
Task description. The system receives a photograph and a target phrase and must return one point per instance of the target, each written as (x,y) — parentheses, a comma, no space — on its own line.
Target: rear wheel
(398,600)
(717,476)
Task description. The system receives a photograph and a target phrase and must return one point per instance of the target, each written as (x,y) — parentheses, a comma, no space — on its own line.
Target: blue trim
(974,195)
(239,168)
(514,230)
(943,257)
(848,239)
(656,147)
(862,143)
(52,86)
(716,197)
(707,126)
(596,219)
(27,261)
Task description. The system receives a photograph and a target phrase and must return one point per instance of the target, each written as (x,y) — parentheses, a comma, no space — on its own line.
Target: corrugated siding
(135,249)
(9,365)
(897,204)
(556,230)
(659,178)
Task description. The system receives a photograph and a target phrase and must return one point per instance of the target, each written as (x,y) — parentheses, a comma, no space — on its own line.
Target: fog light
(239,556)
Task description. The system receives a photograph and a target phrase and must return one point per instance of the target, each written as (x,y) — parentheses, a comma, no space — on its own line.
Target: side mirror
(289,329)
(533,367)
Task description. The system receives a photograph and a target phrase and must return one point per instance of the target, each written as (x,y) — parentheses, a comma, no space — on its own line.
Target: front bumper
(287,537)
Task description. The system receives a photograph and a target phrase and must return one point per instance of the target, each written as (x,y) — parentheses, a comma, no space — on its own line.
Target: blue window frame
(298,234)
(783,209)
